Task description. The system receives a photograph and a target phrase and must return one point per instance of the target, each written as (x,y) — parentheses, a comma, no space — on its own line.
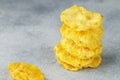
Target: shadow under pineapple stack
(80,46)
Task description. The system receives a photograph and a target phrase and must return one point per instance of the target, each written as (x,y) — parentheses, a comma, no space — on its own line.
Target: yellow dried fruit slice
(25,71)
(88,36)
(96,62)
(80,18)
(91,45)
(80,52)
(72,63)
(68,58)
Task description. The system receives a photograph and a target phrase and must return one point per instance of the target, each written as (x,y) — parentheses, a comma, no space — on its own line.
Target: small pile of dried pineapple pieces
(25,71)
(80,46)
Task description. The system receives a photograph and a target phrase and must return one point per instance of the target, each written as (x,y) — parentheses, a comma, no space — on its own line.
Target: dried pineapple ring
(80,44)
(25,71)
(69,59)
(80,18)
(91,34)
(92,44)
(80,52)
(95,63)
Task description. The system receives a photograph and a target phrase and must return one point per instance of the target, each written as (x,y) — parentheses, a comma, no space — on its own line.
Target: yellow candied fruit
(80,52)
(91,34)
(80,18)
(91,45)
(72,60)
(24,71)
(95,63)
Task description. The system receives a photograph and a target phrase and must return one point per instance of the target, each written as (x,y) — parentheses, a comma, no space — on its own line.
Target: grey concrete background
(29,29)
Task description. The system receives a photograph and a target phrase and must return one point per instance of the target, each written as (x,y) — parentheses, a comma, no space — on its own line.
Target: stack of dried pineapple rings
(80,46)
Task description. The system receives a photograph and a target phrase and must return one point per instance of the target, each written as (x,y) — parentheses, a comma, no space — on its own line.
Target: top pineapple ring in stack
(81,19)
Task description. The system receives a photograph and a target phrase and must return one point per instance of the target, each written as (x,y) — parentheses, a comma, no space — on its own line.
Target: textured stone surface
(29,29)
